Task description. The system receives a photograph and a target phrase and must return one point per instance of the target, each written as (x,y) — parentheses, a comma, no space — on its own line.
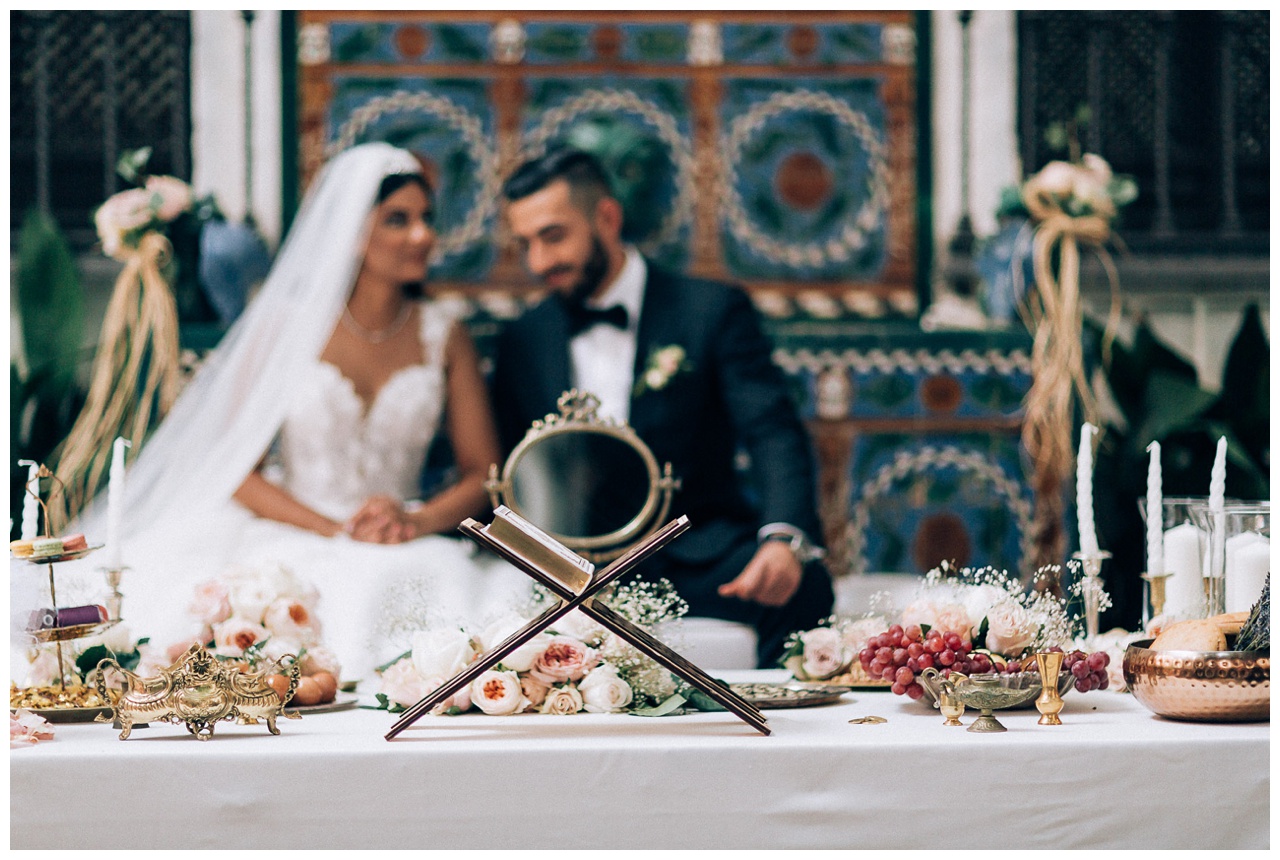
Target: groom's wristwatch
(803,549)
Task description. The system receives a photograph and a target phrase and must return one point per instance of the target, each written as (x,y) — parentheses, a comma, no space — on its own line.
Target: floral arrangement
(258,616)
(576,665)
(42,688)
(126,216)
(969,620)
(663,364)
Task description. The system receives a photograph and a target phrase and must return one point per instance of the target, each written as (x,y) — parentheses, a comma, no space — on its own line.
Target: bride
(303,438)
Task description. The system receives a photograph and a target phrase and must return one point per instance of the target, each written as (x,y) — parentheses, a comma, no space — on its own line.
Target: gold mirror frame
(578,414)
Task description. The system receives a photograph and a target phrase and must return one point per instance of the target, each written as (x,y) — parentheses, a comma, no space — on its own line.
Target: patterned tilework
(400,43)
(785,44)
(806,178)
(450,123)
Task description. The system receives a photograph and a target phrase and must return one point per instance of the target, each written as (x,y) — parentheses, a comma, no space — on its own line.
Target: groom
(685,363)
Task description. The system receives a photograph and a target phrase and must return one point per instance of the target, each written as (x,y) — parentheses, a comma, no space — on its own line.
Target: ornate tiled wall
(776,149)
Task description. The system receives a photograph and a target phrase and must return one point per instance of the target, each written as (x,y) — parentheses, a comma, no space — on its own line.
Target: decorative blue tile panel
(792,44)
(448,123)
(807,170)
(918,500)
(407,43)
(641,129)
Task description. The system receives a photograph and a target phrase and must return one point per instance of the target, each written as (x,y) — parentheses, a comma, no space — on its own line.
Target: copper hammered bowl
(1206,686)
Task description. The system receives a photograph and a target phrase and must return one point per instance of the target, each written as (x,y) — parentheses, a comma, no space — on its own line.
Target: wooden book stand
(576,583)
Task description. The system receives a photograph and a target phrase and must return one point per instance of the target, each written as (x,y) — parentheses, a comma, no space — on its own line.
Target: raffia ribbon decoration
(135,374)
(1053,314)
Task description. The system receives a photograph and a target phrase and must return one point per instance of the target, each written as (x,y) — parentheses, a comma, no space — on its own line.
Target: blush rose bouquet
(971,620)
(259,615)
(574,666)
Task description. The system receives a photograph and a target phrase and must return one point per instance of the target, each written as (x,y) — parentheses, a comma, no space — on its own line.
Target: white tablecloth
(1113,776)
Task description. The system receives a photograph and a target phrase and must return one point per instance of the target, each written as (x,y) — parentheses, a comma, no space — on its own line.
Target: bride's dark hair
(392,183)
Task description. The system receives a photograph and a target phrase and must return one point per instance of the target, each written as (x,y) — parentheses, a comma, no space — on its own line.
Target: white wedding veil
(225,419)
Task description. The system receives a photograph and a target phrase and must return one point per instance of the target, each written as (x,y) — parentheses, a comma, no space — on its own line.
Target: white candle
(1184,589)
(1248,562)
(115,504)
(31,502)
(1084,492)
(1155,513)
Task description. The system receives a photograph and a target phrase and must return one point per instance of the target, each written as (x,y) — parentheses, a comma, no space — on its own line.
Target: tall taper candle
(1084,492)
(1155,513)
(1218,477)
(1217,533)
(31,503)
(115,504)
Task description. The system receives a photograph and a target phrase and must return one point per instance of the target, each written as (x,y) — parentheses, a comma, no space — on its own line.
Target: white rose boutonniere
(663,364)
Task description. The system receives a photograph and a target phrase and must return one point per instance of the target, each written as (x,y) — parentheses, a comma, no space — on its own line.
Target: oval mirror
(590,482)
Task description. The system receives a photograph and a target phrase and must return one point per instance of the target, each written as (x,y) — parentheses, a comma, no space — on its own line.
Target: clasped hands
(382,519)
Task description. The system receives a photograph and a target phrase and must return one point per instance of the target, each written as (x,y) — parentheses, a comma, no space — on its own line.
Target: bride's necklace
(381,335)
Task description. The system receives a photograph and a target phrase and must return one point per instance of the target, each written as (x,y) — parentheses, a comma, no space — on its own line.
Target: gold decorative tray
(795,694)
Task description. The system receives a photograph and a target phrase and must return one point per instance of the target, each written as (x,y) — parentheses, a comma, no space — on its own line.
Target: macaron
(41,547)
(21,548)
(74,543)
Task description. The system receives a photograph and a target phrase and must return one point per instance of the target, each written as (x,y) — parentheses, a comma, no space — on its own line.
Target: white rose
(291,619)
(460,700)
(979,599)
(278,646)
(43,668)
(233,636)
(442,652)
(581,627)
(562,700)
(856,634)
(249,599)
(402,684)
(522,658)
(1057,178)
(654,379)
(498,693)
(1009,628)
(825,653)
(320,659)
(121,213)
(603,691)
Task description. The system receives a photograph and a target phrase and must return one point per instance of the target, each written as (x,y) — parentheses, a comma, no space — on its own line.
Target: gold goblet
(1049,703)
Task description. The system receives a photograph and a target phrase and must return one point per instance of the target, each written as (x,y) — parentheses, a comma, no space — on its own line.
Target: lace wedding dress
(332,453)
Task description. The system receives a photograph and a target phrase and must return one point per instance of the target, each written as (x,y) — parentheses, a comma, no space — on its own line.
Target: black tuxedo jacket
(733,396)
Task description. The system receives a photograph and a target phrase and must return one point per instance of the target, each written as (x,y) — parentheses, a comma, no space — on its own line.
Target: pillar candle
(1184,589)
(1248,562)
(31,503)
(1084,492)
(115,504)
(1155,513)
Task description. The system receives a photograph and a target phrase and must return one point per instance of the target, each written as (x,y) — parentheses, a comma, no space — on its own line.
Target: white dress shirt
(604,357)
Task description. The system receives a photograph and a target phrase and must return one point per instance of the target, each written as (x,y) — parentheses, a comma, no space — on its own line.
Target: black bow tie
(582,318)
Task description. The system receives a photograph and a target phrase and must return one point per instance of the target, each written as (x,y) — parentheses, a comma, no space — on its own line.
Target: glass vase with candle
(1180,595)
(1237,553)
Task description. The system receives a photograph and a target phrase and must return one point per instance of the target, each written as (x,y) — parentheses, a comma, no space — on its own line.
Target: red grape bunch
(899,654)
(1090,670)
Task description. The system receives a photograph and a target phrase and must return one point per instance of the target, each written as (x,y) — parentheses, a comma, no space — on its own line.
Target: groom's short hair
(588,181)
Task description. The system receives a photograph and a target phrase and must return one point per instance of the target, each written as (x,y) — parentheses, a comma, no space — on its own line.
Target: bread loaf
(1202,634)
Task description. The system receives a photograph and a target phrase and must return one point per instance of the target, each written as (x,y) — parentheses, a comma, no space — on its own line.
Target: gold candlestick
(1156,594)
(1049,704)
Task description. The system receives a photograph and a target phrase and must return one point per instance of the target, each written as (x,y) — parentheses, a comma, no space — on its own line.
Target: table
(1113,776)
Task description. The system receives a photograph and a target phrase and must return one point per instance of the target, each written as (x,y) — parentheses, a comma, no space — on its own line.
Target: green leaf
(90,658)
(50,300)
(1170,403)
(669,706)
(703,702)
(133,163)
(394,660)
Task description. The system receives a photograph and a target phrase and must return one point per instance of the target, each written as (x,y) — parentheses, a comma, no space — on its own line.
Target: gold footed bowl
(1028,682)
(1205,686)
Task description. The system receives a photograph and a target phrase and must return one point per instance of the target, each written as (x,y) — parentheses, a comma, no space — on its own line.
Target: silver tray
(341,702)
(789,695)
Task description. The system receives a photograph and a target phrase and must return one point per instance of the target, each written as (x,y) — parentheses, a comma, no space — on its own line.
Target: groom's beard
(593,272)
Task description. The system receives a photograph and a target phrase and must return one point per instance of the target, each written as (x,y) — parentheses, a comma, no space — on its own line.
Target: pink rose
(210,604)
(534,690)
(292,620)
(402,685)
(856,634)
(460,700)
(603,691)
(170,196)
(498,693)
(565,659)
(562,699)
(953,618)
(122,213)
(1010,628)
(175,651)
(233,636)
